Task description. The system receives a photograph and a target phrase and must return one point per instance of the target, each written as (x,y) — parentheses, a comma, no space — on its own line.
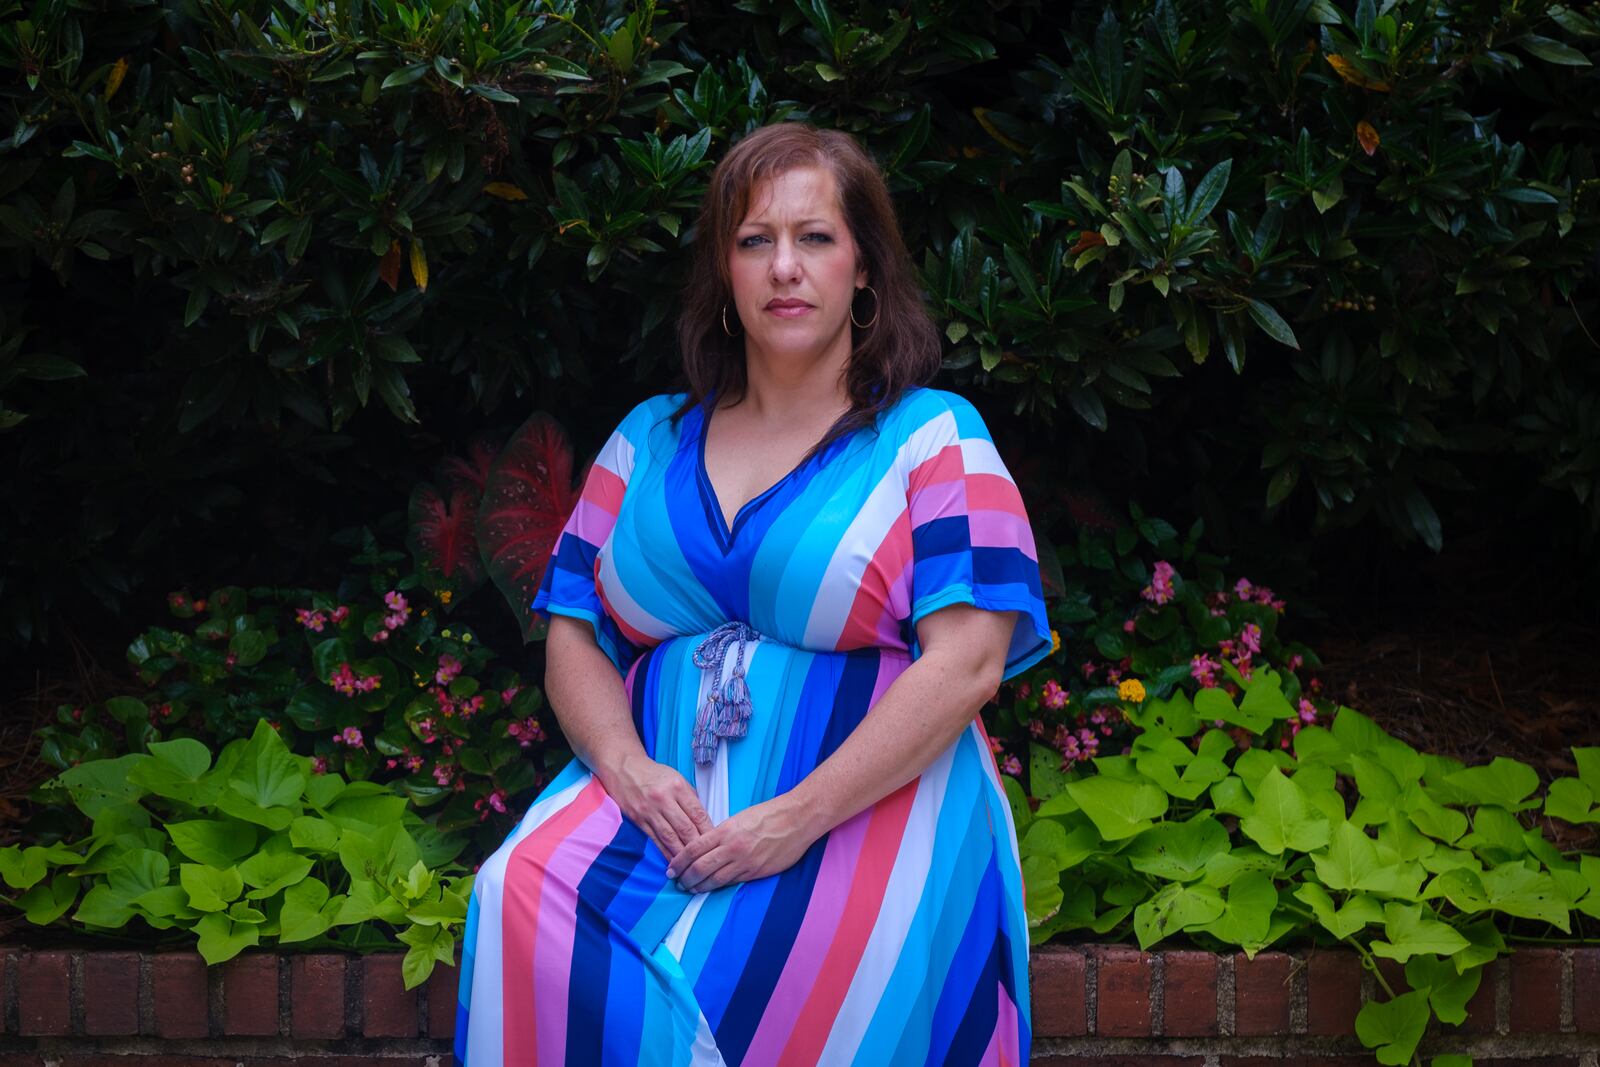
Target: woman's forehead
(802,194)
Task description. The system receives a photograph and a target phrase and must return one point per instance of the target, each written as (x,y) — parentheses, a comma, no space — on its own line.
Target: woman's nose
(785,261)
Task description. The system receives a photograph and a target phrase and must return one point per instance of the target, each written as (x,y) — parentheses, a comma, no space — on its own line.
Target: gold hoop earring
(725,329)
(876,307)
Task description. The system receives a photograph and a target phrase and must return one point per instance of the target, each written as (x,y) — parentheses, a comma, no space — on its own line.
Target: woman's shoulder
(923,407)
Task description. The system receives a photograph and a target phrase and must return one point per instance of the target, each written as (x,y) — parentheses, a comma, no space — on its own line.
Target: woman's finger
(708,873)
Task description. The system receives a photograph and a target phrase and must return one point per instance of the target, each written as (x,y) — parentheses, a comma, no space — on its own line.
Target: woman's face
(794,267)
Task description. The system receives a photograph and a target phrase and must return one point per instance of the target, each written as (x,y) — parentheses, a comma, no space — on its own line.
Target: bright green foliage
(1325,251)
(358,861)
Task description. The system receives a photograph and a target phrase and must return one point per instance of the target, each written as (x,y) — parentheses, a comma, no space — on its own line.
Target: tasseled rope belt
(726,711)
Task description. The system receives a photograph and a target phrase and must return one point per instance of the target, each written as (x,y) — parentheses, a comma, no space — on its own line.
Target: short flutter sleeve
(571,584)
(971,541)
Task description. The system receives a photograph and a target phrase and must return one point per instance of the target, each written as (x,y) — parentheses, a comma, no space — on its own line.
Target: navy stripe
(973,975)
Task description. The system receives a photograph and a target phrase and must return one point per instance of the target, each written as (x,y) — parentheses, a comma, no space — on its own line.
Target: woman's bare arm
(589,700)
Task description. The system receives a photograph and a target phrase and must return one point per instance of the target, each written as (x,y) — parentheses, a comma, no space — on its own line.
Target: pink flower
(497,800)
(1251,637)
(449,670)
(1295,661)
(395,620)
(1088,668)
(311,620)
(1087,736)
(339,614)
(1106,729)
(995,746)
(1204,670)
(1036,728)
(350,736)
(1242,587)
(344,680)
(1053,696)
(1127,626)
(471,706)
(1160,589)
(319,765)
(1011,766)
(394,601)
(443,773)
(380,636)
(1098,717)
(1024,690)
(1308,711)
(425,730)
(508,694)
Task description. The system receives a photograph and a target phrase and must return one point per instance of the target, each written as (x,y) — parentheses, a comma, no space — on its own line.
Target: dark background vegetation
(1349,317)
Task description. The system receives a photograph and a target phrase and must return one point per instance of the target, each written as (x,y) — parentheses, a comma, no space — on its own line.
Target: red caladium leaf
(526,501)
(443,539)
(471,470)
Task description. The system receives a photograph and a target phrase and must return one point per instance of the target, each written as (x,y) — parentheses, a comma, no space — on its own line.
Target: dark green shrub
(1356,244)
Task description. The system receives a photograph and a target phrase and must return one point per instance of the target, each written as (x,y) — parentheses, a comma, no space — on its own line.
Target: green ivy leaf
(1448,989)
(213,842)
(1283,819)
(209,888)
(1173,908)
(1393,1027)
(1411,929)
(1120,809)
(222,938)
(1178,852)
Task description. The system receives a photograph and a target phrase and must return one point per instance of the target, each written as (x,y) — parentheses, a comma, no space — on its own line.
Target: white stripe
(908,881)
(836,589)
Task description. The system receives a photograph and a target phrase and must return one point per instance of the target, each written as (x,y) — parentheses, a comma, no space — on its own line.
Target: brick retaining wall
(1094,1006)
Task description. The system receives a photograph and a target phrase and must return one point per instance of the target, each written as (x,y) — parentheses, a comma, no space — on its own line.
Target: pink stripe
(892,663)
(937,501)
(991,1053)
(558,914)
(1001,529)
(519,923)
(638,638)
(1006,1036)
(877,856)
(943,466)
(591,522)
(888,562)
(992,491)
(811,942)
(604,489)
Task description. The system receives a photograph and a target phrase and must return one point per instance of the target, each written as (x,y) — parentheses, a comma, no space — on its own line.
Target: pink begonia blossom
(396,619)
(1088,668)
(1295,661)
(1307,710)
(1098,717)
(319,765)
(1127,626)
(449,670)
(1024,690)
(380,636)
(350,736)
(995,746)
(1011,766)
(1087,737)
(1036,728)
(311,620)
(508,694)
(1053,696)
(1204,670)
(394,601)
(1160,589)
(1114,675)
(443,773)
(339,614)
(1251,637)
(343,680)
(1243,587)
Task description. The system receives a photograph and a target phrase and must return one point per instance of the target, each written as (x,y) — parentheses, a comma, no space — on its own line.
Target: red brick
(1189,994)
(43,994)
(1586,990)
(1297,1061)
(316,996)
(1481,1008)
(1122,994)
(1122,1061)
(1261,993)
(1535,991)
(1333,992)
(250,995)
(1060,1006)
(442,990)
(110,994)
(8,982)
(21,1059)
(178,991)
(388,1008)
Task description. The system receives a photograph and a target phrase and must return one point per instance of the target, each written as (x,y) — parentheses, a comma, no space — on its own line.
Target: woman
(780,602)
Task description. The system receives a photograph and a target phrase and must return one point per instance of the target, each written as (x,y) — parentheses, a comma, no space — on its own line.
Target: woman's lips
(789,311)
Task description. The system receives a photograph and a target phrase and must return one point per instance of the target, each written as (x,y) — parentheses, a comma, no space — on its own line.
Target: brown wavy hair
(899,350)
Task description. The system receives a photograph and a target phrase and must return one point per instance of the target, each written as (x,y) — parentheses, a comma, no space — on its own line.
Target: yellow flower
(467,638)
(1055,641)
(1132,689)
(444,633)
(445,595)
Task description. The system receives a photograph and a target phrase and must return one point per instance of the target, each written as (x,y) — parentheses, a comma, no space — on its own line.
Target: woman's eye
(820,236)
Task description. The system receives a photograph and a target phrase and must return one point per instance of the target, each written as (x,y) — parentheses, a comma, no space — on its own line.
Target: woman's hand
(658,800)
(762,839)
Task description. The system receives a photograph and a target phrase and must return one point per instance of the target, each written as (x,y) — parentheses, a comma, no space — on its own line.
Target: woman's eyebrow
(802,222)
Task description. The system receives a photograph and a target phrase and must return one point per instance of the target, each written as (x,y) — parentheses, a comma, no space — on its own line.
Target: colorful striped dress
(900,937)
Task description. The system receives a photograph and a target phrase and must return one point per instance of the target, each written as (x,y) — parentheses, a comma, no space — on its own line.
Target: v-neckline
(726,531)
